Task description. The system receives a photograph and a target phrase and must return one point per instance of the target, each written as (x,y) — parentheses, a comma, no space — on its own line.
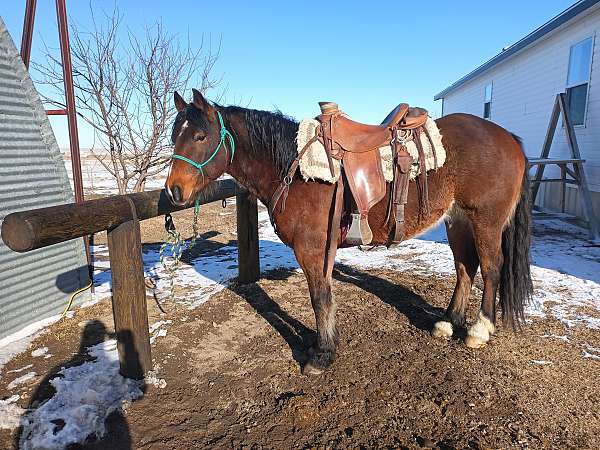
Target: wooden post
(129,299)
(563,186)
(247,238)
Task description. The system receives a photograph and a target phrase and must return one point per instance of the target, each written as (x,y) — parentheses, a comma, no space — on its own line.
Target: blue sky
(366,56)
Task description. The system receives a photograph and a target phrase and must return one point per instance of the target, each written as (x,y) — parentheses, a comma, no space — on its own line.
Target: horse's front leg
(322,354)
(315,246)
(311,254)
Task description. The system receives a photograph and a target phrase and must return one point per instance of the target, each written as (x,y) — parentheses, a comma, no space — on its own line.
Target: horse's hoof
(475,342)
(442,330)
(318,361)
(311,370)
(479,334)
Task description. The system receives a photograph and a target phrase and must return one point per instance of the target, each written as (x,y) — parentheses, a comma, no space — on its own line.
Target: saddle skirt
(314,163)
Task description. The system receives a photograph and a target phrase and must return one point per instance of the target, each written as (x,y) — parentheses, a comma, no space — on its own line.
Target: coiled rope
(173,247)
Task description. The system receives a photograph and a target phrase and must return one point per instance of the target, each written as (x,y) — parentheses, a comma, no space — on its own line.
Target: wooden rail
(119,215)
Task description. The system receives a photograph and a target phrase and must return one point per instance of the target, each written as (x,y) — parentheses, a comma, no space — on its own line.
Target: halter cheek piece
(224,134)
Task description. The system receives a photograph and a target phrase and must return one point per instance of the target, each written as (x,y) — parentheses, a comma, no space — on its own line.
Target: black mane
(272,135)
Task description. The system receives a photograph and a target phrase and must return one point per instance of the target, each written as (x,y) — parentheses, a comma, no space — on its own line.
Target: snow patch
(22,379)
(156,325)
(590,355)
(85,396)
(152,378)
(28,366)
(541,362)
(156,331)
(10,413)
(554,336)
(18,342)
(39,352)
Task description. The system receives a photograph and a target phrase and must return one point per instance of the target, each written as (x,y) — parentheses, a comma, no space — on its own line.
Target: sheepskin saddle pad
(314,164)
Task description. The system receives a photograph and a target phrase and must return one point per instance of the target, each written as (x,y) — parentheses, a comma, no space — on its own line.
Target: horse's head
(203,149)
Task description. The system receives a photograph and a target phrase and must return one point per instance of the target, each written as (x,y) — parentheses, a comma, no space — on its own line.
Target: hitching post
(129,298)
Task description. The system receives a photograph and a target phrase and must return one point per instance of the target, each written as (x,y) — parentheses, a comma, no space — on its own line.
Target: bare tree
(124,87)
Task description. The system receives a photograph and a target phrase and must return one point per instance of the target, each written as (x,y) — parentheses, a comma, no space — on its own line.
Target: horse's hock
(120,215)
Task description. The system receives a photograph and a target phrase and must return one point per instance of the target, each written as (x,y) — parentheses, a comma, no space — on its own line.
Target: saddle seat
(356,137)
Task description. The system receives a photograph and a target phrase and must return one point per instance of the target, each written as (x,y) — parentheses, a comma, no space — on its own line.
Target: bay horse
(481,192)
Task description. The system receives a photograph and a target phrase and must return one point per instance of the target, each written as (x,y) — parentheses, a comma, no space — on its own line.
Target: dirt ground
(233,371)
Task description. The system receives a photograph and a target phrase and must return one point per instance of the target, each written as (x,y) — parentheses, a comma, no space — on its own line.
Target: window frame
(485,102)
(568,86)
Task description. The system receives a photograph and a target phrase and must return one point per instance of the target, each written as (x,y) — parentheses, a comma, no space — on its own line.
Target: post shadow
(73,279)
(117,430)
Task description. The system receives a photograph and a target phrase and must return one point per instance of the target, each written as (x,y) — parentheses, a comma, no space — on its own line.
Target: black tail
(516,287)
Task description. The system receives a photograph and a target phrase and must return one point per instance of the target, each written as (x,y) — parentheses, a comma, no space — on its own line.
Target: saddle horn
(328,108)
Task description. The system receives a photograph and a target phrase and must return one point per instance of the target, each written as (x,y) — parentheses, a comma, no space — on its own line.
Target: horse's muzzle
(175,194)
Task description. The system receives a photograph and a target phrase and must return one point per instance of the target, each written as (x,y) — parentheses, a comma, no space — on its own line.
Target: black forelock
(193,115)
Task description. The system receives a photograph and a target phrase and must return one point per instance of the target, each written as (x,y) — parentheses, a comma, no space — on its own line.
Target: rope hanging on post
(174,246)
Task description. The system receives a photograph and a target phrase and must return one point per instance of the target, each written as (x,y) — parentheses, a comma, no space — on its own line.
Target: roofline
(532,37)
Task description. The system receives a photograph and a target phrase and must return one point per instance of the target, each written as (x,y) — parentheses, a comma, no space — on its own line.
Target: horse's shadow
(414,307)
(297,335)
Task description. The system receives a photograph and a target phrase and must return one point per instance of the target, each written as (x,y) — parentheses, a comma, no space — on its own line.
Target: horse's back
(484,167)
(471,139)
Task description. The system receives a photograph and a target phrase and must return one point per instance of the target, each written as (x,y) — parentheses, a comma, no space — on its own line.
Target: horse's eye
(199,137)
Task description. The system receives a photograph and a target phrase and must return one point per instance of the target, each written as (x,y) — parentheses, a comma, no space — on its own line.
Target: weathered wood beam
(28,230)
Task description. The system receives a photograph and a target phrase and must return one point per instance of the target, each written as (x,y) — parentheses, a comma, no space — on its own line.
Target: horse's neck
(256,174)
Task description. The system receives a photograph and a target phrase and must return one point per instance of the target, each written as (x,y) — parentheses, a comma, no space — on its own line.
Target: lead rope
(174,246)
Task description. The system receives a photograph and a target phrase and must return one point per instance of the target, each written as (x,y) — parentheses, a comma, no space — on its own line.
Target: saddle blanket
(314,165)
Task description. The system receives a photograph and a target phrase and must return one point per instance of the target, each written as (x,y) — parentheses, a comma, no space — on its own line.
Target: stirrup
(359,233)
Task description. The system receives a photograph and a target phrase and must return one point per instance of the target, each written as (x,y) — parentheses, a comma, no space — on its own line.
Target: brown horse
(481,192)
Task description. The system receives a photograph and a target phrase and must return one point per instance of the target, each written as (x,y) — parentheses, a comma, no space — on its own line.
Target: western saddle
(357,146)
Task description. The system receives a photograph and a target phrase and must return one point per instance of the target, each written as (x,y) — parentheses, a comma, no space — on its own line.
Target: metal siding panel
(37,284)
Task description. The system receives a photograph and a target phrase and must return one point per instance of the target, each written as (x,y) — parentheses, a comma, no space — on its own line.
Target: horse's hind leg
(466,261)
(488,241)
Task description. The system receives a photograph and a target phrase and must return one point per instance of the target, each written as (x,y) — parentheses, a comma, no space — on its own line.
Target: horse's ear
(180,103)
(200,102)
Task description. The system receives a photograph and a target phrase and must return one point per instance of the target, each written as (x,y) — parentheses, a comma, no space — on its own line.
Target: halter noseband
(224,134)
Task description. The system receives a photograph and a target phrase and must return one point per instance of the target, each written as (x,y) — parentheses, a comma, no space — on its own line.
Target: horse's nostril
(177,196)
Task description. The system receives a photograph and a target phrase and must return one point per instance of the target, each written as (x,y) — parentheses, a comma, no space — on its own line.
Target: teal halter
(224,134)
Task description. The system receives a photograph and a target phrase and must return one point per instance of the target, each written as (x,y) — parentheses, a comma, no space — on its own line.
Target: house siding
(524,90)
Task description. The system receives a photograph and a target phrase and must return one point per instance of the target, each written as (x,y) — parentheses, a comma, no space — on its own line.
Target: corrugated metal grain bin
(37,284)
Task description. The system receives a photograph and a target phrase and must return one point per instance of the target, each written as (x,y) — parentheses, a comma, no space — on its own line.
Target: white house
(517,88)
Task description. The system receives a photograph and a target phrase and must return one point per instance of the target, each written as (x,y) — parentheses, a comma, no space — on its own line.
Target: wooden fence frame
(120,215)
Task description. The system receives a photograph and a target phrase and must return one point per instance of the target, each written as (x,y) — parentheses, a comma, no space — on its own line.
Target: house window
(578,78)
(487,102)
